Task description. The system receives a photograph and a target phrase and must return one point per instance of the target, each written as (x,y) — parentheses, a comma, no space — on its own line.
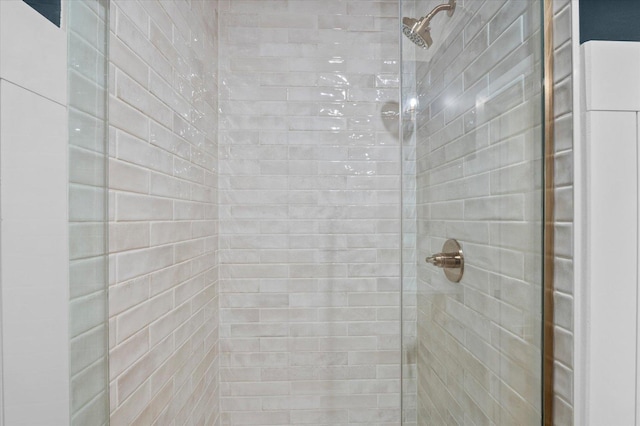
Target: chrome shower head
(418,30)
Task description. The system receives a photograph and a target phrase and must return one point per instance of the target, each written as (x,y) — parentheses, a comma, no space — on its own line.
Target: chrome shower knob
(451,260)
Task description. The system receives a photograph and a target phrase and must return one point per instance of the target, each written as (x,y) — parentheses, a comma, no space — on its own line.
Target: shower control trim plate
(451,259)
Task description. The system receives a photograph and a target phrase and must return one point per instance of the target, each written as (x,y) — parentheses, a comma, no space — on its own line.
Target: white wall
(33,210)
(609,266)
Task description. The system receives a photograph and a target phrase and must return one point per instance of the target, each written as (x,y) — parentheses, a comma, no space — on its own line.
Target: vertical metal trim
(549,230)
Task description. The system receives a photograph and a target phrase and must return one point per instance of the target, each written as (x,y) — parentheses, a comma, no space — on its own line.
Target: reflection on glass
(472,171)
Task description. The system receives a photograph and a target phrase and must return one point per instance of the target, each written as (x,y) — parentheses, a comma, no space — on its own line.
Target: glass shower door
(472,171)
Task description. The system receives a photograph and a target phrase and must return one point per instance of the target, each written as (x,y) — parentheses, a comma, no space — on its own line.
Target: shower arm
(450,7)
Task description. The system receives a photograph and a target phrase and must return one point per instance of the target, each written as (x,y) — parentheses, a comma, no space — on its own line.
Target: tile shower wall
(309,212)
(87,32)
(409,224)
(478,153)
(563,269)
(163,302)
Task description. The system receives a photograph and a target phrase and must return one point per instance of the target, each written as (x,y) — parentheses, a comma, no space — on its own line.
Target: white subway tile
(140,316)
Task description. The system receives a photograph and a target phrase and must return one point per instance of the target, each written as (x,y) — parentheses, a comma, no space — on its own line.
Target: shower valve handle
(445,260)
(451,260)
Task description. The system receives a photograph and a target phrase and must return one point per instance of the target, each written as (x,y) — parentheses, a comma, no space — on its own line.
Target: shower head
(419,31)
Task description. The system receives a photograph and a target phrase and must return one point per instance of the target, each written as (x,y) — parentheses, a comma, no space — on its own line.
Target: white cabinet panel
(33,234)
(609,266)
(611,75)
(32,51)
(613,231)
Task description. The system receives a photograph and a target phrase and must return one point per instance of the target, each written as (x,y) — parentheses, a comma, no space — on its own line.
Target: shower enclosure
(472,145)
(303,167)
